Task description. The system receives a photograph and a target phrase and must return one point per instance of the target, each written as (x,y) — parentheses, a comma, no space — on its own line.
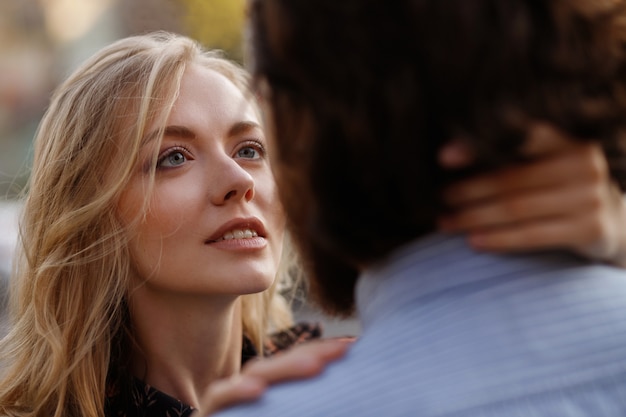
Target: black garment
(146,401)
(142,400)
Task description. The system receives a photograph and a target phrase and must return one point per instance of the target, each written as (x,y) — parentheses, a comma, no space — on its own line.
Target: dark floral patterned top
(146,401)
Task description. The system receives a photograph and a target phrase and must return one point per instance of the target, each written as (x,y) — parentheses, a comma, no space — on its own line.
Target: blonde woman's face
(214,224)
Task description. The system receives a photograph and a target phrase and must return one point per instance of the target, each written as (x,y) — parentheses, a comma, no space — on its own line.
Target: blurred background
(42,41)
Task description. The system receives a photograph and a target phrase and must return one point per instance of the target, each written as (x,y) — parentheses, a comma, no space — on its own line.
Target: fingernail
(455,154)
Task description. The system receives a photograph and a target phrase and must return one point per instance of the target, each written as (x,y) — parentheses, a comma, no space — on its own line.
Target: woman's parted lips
(251,223)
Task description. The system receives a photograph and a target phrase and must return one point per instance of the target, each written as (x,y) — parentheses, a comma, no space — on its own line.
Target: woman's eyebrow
(186,133)
(242,127)
(170,131)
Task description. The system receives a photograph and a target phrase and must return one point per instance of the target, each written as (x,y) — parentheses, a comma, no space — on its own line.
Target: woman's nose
(233,184)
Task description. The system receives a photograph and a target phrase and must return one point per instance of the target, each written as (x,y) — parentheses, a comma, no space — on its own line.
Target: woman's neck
(185,342)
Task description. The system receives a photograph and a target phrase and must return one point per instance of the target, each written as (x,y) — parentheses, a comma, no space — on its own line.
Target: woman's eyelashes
(178,155)
(173,157)
(251,149)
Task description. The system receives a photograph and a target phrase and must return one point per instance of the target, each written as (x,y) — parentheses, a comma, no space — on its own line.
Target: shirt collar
(433,264)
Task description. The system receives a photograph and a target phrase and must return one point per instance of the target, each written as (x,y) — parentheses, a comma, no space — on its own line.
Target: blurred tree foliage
(217,24)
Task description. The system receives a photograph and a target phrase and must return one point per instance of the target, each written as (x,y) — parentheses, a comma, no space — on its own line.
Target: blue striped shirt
(450,332)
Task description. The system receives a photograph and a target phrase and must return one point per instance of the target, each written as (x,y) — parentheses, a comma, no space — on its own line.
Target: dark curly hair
(363,93)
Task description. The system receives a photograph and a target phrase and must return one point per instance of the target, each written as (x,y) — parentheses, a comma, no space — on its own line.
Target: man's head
(364,93)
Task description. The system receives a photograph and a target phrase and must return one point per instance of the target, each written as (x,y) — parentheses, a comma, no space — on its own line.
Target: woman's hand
(300,362)
(564,198)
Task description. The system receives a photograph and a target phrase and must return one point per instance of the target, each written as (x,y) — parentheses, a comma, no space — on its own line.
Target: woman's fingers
(562,198)
(512,208)
(300,362)
(584,162)
(544,139)
(588,218)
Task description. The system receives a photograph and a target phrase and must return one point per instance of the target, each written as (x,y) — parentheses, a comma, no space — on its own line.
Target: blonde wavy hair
(68,308)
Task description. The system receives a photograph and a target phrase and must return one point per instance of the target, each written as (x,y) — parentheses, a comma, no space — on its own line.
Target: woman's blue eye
(172,159)
(248,152)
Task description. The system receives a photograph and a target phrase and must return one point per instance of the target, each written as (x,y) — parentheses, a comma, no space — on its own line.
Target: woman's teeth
(238,234)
